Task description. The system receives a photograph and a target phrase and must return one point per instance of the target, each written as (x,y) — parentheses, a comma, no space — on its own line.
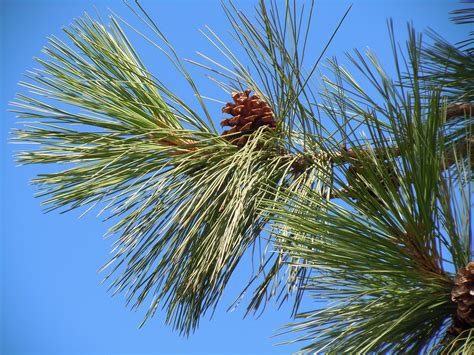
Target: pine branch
(301,162)
(186,201)
(190,202)
(461,109)
(401,214)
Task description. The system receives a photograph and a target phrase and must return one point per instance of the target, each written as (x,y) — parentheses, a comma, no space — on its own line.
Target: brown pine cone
(248,114)
(463,295)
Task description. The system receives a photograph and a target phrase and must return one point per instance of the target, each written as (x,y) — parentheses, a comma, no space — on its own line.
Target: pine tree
(362,202)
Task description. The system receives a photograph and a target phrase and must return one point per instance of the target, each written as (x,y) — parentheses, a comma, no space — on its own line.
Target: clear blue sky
(51,297)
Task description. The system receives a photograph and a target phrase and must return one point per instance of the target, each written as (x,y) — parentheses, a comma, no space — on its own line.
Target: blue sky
(51,297)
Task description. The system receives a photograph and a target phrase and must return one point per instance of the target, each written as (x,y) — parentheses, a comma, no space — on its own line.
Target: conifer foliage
(353,189)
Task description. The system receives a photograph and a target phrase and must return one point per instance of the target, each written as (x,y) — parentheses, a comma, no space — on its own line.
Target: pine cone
(248,114)
(463,294)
